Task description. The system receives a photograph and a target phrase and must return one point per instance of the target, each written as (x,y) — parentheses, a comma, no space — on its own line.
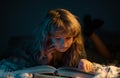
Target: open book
(52,71)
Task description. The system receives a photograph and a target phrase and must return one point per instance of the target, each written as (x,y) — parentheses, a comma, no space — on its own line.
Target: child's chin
(62,51)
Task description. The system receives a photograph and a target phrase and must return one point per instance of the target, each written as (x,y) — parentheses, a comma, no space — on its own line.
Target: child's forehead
(61,33)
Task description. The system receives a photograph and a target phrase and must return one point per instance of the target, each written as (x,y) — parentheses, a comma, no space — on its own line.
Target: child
(58,42)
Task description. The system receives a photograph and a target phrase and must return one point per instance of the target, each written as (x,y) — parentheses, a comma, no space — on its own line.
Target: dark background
(20,17)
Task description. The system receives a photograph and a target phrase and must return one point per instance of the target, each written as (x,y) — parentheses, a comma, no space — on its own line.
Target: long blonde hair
(62,20)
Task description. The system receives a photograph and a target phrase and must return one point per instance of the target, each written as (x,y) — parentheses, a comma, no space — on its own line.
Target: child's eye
(57,38)
(68,38)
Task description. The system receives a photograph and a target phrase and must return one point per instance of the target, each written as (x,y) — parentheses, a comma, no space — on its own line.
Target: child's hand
(85,65)
(47,55)
(51,49)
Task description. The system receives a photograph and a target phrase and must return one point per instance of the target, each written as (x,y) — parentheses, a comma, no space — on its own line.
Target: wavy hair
(61,20)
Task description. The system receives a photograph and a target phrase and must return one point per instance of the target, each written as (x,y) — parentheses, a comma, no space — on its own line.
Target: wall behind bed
(20,17)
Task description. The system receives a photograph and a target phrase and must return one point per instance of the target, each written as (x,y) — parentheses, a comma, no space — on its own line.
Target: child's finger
(51,50)
(51,46)
(89,67)
(85,67)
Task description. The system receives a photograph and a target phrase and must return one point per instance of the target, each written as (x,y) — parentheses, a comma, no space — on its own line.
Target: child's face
(62,42)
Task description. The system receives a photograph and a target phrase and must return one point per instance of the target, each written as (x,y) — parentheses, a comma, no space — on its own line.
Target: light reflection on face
(62,42)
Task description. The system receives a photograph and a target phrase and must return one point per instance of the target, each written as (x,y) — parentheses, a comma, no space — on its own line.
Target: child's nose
(63,42)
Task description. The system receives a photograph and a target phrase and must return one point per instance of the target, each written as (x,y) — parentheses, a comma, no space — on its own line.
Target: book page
(40,69)
(73,72)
